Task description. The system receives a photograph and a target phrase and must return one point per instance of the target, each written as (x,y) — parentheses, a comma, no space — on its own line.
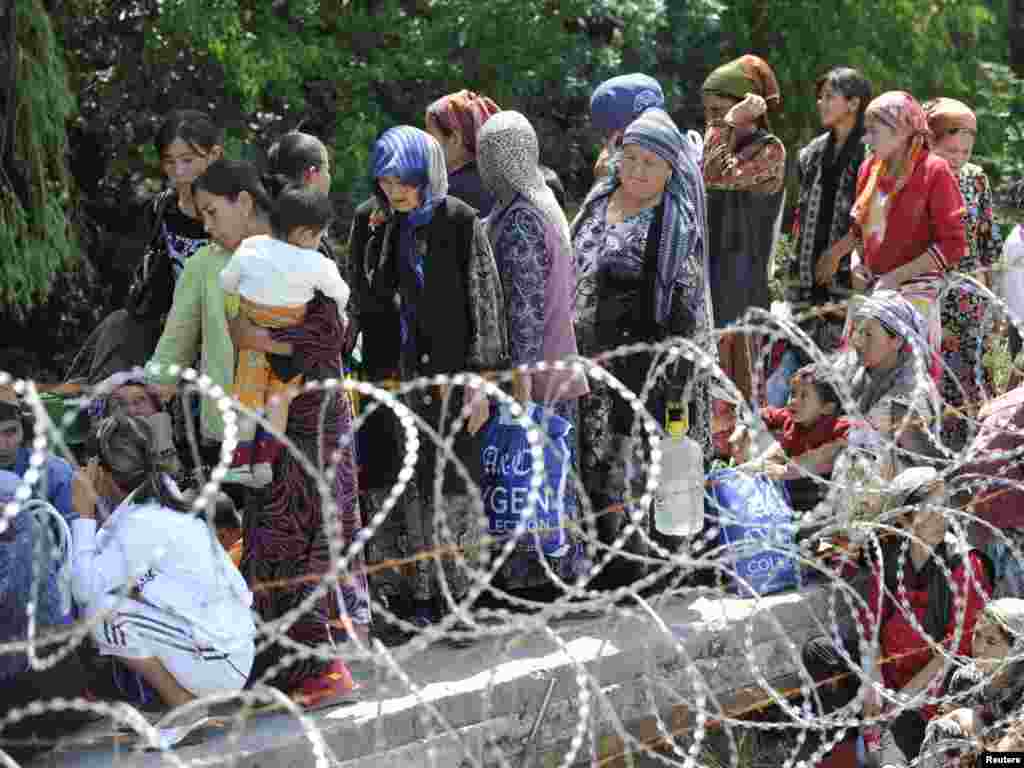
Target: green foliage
(35,239)
(929,49)
(1000,113)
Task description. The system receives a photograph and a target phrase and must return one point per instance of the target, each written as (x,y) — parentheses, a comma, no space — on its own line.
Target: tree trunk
(1016,35)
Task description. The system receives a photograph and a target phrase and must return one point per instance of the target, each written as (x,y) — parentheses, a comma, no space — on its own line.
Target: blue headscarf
(617,102)
(415,158)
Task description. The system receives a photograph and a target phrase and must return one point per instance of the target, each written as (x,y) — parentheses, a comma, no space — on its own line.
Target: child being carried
(274,277)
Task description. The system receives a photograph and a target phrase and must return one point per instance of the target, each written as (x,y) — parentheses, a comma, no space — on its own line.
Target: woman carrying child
(275,277)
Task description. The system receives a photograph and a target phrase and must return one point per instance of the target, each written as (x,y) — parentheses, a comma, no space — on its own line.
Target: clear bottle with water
(679,500)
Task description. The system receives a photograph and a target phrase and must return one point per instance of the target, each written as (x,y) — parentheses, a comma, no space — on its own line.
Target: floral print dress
(966,315)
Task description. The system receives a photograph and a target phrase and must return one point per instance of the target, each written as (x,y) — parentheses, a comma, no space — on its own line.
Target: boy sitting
(809,435)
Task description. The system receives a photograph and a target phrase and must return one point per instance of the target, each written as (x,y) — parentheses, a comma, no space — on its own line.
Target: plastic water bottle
(679,501)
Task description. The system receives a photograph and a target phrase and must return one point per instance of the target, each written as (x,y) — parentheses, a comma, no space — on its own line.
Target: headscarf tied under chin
(747,74)
(901,112)
(416,159)
(683,209)
(620,100)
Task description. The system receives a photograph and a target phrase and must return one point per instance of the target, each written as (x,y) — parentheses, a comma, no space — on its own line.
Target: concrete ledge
(484,699)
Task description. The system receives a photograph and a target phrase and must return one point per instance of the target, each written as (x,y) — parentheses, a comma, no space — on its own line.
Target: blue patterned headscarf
(415,158)
(618,101)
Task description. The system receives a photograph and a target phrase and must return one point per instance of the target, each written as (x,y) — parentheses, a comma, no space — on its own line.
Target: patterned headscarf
(945,115)
(900,111)
(747,74)
(415,158)
(465,111)
(100,406)
(620,100)
(508,159)
(684,207)
(896,314)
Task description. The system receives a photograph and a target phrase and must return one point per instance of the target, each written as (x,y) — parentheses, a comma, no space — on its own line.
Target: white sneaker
(254,476)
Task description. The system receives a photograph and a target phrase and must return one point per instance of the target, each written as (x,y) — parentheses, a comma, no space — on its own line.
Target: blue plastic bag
(508,469)
(756,526)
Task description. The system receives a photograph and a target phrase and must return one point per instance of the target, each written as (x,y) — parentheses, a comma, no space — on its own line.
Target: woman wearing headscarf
(533,250)
(909,212)
(966,315)
(430,297)
(640,250)
(827,173)
(890,385)
(616,103)
(455,120)
(994,688)
(744,170)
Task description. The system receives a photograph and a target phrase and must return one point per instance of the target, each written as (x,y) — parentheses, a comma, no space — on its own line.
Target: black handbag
(152,288)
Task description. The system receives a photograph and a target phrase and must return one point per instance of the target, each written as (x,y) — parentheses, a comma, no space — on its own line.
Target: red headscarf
(465,111)
(900,111)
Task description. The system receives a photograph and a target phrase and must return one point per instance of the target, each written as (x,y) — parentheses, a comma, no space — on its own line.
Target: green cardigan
(197,328)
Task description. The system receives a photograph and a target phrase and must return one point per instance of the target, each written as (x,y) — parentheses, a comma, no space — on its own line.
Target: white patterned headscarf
(508,159)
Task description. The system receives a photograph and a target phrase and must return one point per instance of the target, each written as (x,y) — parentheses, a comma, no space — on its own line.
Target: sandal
(333,686)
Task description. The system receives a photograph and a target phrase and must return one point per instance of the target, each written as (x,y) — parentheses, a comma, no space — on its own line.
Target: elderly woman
(989,693)
(900,248)
(827,173)
(966,315)
(428,290)
(616,103)
(640,247)
(533,251)
(744,170)
(24,581)
(908,591)
(455,120)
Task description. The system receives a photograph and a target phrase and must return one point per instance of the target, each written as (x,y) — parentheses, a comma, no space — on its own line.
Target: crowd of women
(463,260)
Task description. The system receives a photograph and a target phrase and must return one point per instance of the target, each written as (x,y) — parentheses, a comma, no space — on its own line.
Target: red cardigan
(926,215)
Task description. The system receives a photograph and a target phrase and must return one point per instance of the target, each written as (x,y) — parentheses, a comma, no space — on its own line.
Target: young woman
(909,212)
(424,270)
(640,278)
(455,120)
(533,250)
(174,608)
(827,172)
(186,143)
(286,539)
(967,317)
(744,170)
